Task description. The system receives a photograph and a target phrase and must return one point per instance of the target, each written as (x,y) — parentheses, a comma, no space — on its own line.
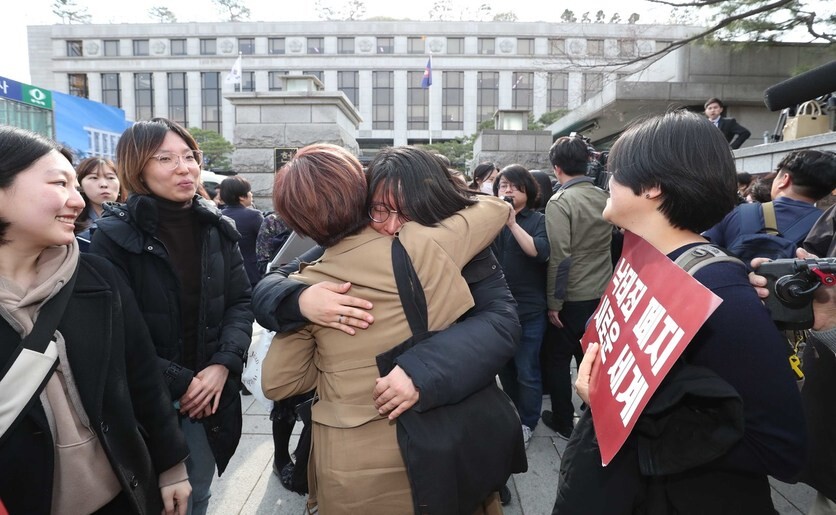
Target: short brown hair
(321,193)
(136,146)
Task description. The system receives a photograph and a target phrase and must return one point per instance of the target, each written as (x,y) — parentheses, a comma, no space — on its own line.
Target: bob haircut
(138,144)
(687,158)
(813,172)
(418,183)
(233,188)
(522,180)
(19,149)
(481,172)
(570,154)
(321,193)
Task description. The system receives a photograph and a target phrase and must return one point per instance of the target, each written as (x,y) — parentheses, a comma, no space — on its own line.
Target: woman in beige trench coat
(356,465)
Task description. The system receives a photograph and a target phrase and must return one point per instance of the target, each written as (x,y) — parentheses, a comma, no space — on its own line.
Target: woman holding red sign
(728,414)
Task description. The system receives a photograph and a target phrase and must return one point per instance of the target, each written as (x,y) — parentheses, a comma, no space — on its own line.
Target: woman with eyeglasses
(182,260)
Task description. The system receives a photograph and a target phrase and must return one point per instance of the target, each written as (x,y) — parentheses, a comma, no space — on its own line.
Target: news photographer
(819,366)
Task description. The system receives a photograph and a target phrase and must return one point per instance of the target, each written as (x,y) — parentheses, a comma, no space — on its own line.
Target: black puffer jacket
(125,236)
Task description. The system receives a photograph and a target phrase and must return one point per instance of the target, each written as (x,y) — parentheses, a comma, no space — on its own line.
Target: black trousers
(560,345)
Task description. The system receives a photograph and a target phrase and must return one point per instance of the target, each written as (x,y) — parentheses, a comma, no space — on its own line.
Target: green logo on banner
(36,96)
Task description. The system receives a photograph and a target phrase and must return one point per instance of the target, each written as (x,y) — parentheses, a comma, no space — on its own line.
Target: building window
(557,46)
(595,47)
(209,46)
(525,46)
(78,85)
(385,45)
(274,80)
(593,83)
(523,90)
(210,96)
(452,101)
(345,45)
(415,46)
(140,47)
(246,46)
(558,91)
(626,48)
(178,95)
(74,48)
(455,46)
(247,82)
(487,94)
(315,46)
(417,113)
(317,74)
(178,47)
(275,46)
(662,44)
(111,92)
(383,94)
(486,46)
(144,96)
(111,47)
(349,83)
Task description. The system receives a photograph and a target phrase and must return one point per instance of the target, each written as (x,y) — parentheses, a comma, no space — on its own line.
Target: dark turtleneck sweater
(179,231)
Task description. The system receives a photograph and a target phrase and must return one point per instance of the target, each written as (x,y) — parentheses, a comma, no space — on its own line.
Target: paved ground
(249,487)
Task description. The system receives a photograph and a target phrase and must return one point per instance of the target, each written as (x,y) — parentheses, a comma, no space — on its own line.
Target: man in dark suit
(735,133)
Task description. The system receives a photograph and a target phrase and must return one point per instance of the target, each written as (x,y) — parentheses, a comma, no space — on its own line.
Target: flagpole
(430,106)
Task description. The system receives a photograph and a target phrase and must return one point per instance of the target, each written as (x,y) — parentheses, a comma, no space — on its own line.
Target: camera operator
(819,365)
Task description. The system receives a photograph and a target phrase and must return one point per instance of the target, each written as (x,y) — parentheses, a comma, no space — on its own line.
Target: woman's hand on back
(327,304)
(394,393)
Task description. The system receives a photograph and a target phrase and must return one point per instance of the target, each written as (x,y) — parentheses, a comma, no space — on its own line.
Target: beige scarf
(83,480)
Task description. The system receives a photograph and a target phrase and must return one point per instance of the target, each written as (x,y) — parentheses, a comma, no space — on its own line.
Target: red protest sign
(650,312)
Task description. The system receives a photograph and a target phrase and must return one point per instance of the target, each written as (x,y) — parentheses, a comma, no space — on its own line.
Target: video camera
(596,167)
(792,284)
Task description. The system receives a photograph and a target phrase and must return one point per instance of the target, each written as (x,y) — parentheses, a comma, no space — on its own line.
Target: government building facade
(179,70)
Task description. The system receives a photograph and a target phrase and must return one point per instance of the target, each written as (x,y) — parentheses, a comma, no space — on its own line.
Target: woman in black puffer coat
(182,260)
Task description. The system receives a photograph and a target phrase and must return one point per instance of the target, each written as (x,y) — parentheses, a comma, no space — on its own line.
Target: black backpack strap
(411,292)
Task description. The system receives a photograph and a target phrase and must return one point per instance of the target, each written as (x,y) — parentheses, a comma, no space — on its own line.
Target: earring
(647,195)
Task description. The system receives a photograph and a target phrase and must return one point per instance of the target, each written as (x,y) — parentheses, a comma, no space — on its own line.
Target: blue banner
(88,128)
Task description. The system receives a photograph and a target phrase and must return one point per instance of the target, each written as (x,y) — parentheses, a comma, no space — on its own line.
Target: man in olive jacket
(579,269)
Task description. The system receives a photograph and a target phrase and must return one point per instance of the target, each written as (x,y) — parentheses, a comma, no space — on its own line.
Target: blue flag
(427,80)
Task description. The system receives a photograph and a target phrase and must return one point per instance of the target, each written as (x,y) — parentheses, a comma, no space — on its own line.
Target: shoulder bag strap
(29,368)
(770,223)
(409,289)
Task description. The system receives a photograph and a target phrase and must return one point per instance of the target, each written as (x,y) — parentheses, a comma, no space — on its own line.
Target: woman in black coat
(181,259)
(94,431)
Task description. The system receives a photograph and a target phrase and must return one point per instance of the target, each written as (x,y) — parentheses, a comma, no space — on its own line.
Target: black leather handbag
(458,454)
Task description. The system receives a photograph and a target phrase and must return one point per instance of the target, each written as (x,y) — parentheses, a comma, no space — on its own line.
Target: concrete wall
(527,148)
(764,158)
(265,121)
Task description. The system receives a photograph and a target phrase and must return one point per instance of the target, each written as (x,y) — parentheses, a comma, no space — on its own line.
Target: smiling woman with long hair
(86,425)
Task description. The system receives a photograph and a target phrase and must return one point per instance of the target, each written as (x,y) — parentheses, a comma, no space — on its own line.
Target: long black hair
(418,183)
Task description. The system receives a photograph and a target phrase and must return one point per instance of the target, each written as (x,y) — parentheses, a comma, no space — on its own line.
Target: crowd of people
(128,299)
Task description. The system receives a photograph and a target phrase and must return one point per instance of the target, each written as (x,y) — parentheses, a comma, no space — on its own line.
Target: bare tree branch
(723,23)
